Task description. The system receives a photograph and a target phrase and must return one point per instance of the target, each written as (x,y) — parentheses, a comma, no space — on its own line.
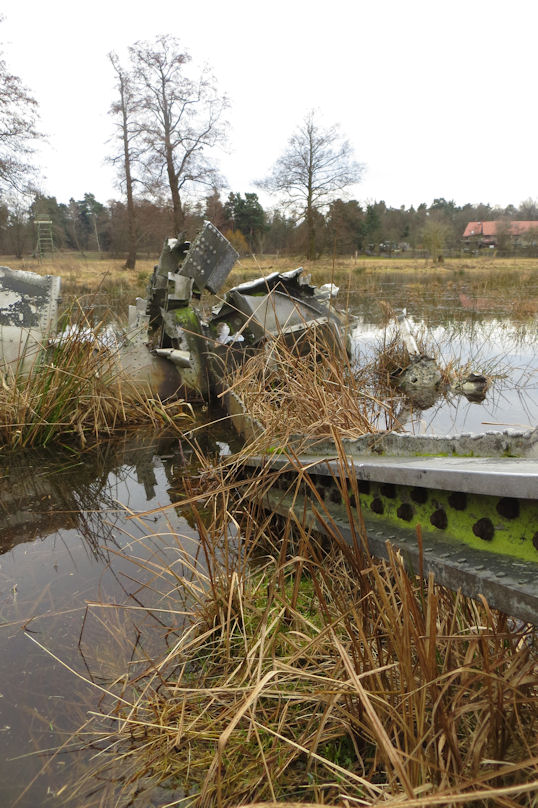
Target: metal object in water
(28,313)
(478,518)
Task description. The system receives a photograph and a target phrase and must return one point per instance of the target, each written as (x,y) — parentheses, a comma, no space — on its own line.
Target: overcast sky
(436,98)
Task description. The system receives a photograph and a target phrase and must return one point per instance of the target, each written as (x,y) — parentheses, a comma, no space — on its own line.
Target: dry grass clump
(310,388)
(75,389)
(391,356)
(322,677)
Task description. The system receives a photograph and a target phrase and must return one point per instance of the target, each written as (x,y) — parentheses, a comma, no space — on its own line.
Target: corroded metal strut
(478,517)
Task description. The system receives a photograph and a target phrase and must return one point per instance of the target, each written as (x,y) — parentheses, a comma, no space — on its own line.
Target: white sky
(437,98)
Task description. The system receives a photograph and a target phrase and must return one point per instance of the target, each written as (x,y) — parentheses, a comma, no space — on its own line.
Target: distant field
(86,273)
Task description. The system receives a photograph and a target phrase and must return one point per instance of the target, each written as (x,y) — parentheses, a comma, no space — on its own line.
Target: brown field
(90,270)
(102,283)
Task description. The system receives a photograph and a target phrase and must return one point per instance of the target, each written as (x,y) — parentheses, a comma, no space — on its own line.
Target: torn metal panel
(28,312)
(210,259)
(275,313)
(293,282)
(28,300)
(202,350)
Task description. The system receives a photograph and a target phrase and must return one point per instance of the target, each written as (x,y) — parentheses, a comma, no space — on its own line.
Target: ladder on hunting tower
(45,240)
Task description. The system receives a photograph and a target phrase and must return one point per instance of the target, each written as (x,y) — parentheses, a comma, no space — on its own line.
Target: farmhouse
(488,234)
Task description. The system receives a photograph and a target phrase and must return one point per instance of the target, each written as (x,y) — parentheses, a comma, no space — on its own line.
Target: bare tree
(316,166)
(123,110)
(180,118)
(18,132)
(434,236)
(528,210)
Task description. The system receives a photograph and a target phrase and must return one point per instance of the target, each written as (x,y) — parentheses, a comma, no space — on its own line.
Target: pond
(65,538)
(67,529)
(480,323)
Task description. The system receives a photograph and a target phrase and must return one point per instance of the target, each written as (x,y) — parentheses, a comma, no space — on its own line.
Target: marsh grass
(74,390)
(310,387)
(310,674)
(313,386)
(508,284)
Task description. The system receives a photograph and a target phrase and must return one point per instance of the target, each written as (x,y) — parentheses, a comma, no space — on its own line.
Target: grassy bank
(506,285)
(74,391)
(310,674)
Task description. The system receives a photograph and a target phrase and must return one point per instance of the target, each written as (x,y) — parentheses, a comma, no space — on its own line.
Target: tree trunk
(130,261)
(310,225)
(310,235)
(173,181)
(178,215)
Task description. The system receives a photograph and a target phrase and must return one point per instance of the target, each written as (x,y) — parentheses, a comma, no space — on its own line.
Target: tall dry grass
(311,387)
(310,674)
(75,390)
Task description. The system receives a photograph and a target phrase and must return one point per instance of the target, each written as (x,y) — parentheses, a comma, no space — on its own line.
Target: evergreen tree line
(346,228)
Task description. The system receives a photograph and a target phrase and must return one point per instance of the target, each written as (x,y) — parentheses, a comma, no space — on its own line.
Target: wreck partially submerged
(202,345)
(473,499)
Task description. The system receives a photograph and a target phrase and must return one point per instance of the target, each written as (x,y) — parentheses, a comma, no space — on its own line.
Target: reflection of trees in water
(502,350)
(451,297)
(45,491)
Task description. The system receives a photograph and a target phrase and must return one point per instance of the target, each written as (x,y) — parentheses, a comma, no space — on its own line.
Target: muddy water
(65,526)
(488,325)
(64,531)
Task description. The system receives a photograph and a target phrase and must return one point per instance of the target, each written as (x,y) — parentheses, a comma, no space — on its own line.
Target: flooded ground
(65,525)
(65,529)
(489,328)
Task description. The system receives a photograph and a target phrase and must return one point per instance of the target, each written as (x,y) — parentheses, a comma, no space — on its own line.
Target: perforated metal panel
(210,259)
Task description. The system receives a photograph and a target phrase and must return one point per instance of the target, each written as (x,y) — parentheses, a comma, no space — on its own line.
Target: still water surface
(65,535)
(490,326)
(66,532)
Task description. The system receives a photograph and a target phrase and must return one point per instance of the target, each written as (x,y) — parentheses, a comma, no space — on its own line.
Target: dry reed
(75,389)
(313,675)
(310,387)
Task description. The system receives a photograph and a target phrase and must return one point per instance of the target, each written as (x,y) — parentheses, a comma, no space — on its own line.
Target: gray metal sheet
(276,312)
(28,312)
(210,259)
(493,476)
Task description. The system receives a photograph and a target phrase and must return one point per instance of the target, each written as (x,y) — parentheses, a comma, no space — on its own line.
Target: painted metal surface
(28,313)
(210,259)
(484,542)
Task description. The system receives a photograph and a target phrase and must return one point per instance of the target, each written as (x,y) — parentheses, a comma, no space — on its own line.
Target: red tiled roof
(490,228)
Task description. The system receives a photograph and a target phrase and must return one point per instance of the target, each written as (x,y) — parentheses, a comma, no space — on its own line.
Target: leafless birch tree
(123,110)
(317,165)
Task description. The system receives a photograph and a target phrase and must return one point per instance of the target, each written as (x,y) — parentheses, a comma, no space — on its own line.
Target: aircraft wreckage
(472,498)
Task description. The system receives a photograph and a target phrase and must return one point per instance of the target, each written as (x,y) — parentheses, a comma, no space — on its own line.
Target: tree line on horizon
(345,228)
(169,120)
